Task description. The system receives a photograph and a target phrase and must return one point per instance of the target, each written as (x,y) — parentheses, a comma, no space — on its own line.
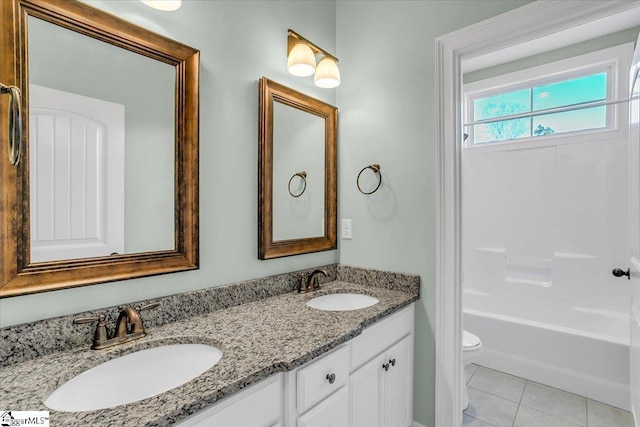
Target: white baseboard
(417,424)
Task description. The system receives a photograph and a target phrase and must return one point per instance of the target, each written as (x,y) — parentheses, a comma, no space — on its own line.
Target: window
(565,97)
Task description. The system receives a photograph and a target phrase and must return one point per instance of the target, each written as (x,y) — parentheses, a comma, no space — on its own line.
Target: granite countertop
(258,339)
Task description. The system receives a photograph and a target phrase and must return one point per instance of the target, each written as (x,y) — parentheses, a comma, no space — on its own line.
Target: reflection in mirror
(298,146)
(101,147)
(109,183)
(297,173)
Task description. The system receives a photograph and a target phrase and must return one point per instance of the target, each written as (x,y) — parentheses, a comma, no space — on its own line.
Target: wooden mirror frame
(19,276)
(270,92)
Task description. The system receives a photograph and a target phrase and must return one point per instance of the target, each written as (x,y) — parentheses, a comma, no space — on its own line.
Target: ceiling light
(165,5)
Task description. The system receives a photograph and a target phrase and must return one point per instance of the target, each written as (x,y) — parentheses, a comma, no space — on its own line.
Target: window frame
(614,61)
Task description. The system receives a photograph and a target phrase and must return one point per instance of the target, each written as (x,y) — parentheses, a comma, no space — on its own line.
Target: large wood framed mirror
(107,187)
(297,195)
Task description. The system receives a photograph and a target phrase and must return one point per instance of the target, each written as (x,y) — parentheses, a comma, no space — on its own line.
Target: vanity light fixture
(165,5)
(301,61)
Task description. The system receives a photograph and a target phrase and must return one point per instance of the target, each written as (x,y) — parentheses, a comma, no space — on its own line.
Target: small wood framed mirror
(297,194)
(102,99)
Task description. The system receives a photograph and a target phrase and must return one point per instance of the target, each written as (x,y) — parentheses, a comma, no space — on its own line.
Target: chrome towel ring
(376,168)
(15,123)
(303,176)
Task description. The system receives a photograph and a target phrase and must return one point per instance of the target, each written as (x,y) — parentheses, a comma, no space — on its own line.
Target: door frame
(573,19)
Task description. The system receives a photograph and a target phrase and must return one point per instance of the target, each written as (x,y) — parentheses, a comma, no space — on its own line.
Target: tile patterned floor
(498,399)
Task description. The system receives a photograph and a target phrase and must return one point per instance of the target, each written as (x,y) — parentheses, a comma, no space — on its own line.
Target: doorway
(507,35)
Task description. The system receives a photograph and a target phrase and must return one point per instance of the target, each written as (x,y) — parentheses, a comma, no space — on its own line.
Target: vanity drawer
(322,377)
(259,405)
(380,336)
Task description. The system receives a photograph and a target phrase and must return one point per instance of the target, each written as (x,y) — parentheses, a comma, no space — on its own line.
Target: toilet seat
(471,350)
(470,342)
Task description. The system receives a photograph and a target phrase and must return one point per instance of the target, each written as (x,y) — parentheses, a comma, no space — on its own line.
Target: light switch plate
(346,229)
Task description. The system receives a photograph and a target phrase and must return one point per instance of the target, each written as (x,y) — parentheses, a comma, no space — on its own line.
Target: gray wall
(386,104)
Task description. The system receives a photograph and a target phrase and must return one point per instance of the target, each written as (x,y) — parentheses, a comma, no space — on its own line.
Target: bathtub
(591,362)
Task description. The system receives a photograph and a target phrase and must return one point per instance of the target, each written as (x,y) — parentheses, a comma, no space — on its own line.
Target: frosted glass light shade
(166,5)
(327,74)
(301,61)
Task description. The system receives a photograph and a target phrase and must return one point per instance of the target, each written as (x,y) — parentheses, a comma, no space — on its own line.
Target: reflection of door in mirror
(76,175)
(298,147)
(136,203)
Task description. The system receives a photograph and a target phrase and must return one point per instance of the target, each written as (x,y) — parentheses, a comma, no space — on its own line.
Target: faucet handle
(302,283)
(148,306)
(100,335)
(143,308)
(88,319)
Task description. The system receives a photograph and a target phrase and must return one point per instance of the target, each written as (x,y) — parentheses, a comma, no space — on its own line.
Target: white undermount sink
(133,377)
(342,302)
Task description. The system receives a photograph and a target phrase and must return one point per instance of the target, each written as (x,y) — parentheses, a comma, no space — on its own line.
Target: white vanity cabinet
(259,405)
(317,391)
(331,412)
(322,377)
(381,388)
(366,382)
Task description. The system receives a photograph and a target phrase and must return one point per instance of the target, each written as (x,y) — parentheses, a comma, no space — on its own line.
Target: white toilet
(471,349)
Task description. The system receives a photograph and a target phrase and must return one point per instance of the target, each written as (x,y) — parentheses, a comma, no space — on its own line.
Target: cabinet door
(331,412)
(398,384)
(365,394)
(377,338)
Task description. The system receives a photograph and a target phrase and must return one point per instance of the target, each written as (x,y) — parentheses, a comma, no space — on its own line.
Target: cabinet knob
(393,362)
(331,378)
(618,272)
(385,366)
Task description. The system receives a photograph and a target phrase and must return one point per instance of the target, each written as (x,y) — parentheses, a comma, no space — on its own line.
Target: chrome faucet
(128,327)
(312,283)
